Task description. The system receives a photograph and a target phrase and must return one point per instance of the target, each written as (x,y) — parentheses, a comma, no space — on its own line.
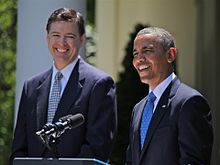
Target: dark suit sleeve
(195,134)
(128,151)
(19,143)
(101,120)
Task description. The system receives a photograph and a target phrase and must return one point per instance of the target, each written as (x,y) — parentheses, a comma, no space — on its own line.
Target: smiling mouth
(61,50)
(143,67)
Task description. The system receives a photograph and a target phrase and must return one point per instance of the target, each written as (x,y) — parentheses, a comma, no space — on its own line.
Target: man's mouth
(143,67)
(61,50)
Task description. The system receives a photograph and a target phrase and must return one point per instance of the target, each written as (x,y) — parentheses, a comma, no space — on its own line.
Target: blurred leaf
(8,21)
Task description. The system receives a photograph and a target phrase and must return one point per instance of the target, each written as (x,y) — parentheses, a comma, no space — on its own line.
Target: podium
(57,161)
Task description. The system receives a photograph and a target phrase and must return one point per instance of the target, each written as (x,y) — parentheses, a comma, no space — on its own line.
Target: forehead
(145,41)
(63,25)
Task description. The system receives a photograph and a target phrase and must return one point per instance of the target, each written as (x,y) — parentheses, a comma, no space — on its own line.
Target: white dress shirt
(158,91)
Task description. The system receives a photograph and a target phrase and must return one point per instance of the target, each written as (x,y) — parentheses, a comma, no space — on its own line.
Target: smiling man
(173,123)
(70,86)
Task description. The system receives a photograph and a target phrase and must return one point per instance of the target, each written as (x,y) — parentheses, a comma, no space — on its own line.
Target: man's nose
(140,57)
(62,40)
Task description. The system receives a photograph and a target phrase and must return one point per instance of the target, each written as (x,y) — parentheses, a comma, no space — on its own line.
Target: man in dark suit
(179,128)
(84,89)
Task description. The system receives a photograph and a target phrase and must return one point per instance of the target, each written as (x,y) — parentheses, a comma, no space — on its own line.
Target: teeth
(61,50)
(142,67)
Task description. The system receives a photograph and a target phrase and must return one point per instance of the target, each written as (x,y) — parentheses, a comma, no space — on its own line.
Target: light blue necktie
(54,97)
(146,117)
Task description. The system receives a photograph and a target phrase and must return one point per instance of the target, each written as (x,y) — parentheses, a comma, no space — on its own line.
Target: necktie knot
(58,76)
(151,97)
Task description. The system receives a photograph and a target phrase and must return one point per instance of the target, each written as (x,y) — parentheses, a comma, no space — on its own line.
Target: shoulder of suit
(140,103)
(185,91)
(91,71)
(40,76)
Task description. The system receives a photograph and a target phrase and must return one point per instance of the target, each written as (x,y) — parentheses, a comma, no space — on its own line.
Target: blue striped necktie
(146,117)
(54,97)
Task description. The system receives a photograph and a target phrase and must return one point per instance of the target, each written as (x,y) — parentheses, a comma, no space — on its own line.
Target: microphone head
(76,120)
(70,121)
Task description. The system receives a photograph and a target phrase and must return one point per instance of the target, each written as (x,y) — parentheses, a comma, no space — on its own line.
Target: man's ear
(83,40)
(171,55)
(47,37)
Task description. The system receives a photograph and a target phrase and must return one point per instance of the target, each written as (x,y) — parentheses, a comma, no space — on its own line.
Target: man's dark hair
(68,15)
(162,36)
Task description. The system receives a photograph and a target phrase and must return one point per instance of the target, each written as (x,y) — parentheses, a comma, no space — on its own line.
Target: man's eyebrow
(134,50)
(67,34)
(72,34)
(148,46)
(53,32)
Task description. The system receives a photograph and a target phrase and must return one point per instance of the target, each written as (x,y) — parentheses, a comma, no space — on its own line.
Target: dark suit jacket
(89,91)
(180,131)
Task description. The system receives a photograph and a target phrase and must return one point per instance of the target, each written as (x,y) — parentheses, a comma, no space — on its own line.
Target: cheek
(134,62)
(50,43)
(160,65)
(74,45)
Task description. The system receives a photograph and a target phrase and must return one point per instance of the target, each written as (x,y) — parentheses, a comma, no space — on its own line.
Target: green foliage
(90,5)
(90,47)
(90,44)
(8,15)
(130,91)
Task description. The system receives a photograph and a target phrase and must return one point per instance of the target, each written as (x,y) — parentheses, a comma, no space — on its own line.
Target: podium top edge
(61,159)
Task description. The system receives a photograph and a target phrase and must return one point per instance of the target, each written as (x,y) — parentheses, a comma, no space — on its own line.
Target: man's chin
(144,80)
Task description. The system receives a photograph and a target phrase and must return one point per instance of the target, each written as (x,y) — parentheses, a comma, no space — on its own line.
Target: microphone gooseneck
(50,133)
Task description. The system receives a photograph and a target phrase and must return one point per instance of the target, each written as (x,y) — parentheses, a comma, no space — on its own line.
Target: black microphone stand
(51,140)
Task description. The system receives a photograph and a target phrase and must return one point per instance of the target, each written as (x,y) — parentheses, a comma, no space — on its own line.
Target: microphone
(64,123)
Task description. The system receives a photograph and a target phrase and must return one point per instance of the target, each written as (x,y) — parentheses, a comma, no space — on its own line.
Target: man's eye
(55,36)
(146,51)
(135,54)
(69,36)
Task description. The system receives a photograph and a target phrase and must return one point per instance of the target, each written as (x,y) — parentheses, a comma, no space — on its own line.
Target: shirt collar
(65,71)
(158,91)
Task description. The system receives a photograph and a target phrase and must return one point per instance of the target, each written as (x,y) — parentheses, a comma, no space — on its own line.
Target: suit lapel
(42,99)
(160,110)
(71,91)
(139,111)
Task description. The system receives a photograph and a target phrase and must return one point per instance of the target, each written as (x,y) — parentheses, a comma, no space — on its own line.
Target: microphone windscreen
(76,120)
